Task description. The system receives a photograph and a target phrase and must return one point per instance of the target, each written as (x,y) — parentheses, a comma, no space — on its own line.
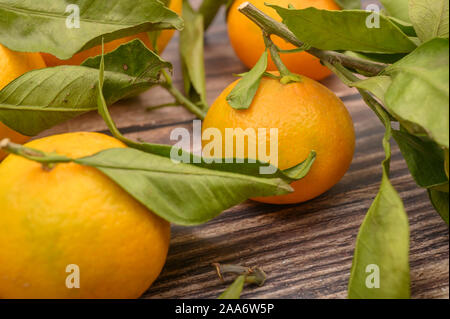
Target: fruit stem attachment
(48,160)
(254,275)
(272,27)
(286,75)
(180,98)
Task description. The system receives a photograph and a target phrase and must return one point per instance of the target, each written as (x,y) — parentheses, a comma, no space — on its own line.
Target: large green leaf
(42,98)
(382,245)
(345,30)
(192,56)
(40,26)
(419,93)
(430,18)
(180,193)
(397,9)
(425,159)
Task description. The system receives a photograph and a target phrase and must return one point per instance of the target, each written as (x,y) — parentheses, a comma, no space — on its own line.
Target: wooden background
(306,249)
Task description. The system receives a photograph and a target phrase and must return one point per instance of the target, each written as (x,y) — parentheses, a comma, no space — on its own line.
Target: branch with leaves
(411,89)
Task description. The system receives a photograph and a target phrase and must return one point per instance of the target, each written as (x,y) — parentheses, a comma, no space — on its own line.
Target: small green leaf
(447,162)
(336,30)
(242,95)
(301,170)
(430,18)
(235,289)
(406,27)
(440,202)
(123,60)
(425,159)
(192,55)
(43,98)
(183,194)
(40,26)
(419,94)
(397,9)
(376,57)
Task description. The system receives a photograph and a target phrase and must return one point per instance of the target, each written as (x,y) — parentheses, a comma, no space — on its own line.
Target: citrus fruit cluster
(51,218)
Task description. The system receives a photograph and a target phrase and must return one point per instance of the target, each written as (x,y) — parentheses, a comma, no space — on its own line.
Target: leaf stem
(253,275)
(46,159)
(272,27)
(160,106)
(180,98)
(274,53)
(348,78)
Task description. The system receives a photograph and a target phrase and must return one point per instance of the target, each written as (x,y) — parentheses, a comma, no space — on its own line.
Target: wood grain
(305,249)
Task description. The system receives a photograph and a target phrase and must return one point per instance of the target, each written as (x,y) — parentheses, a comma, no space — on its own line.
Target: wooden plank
(305,249)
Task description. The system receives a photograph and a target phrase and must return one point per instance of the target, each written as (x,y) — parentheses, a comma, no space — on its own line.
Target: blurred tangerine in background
(247,40)
(80,57)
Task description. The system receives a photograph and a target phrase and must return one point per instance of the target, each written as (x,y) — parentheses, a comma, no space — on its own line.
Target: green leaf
(419,94)
(235,290)
(397,9)
(446,164)
(146,68)
(192,55)
(180,193)
(336,30)
(440,202)
(377,85)
(40,26)
(376,57)
(43,98)
(382,245)
(383,240)
(406,27)
(425,159)
(430,18)
(349,4)
(242,95)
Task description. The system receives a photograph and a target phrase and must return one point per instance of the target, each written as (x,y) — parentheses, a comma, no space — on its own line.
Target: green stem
(252,275)
(180,98)
(284,71)
(348,78)
(286,75)
(46,159)
(272,27)
(160,106)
